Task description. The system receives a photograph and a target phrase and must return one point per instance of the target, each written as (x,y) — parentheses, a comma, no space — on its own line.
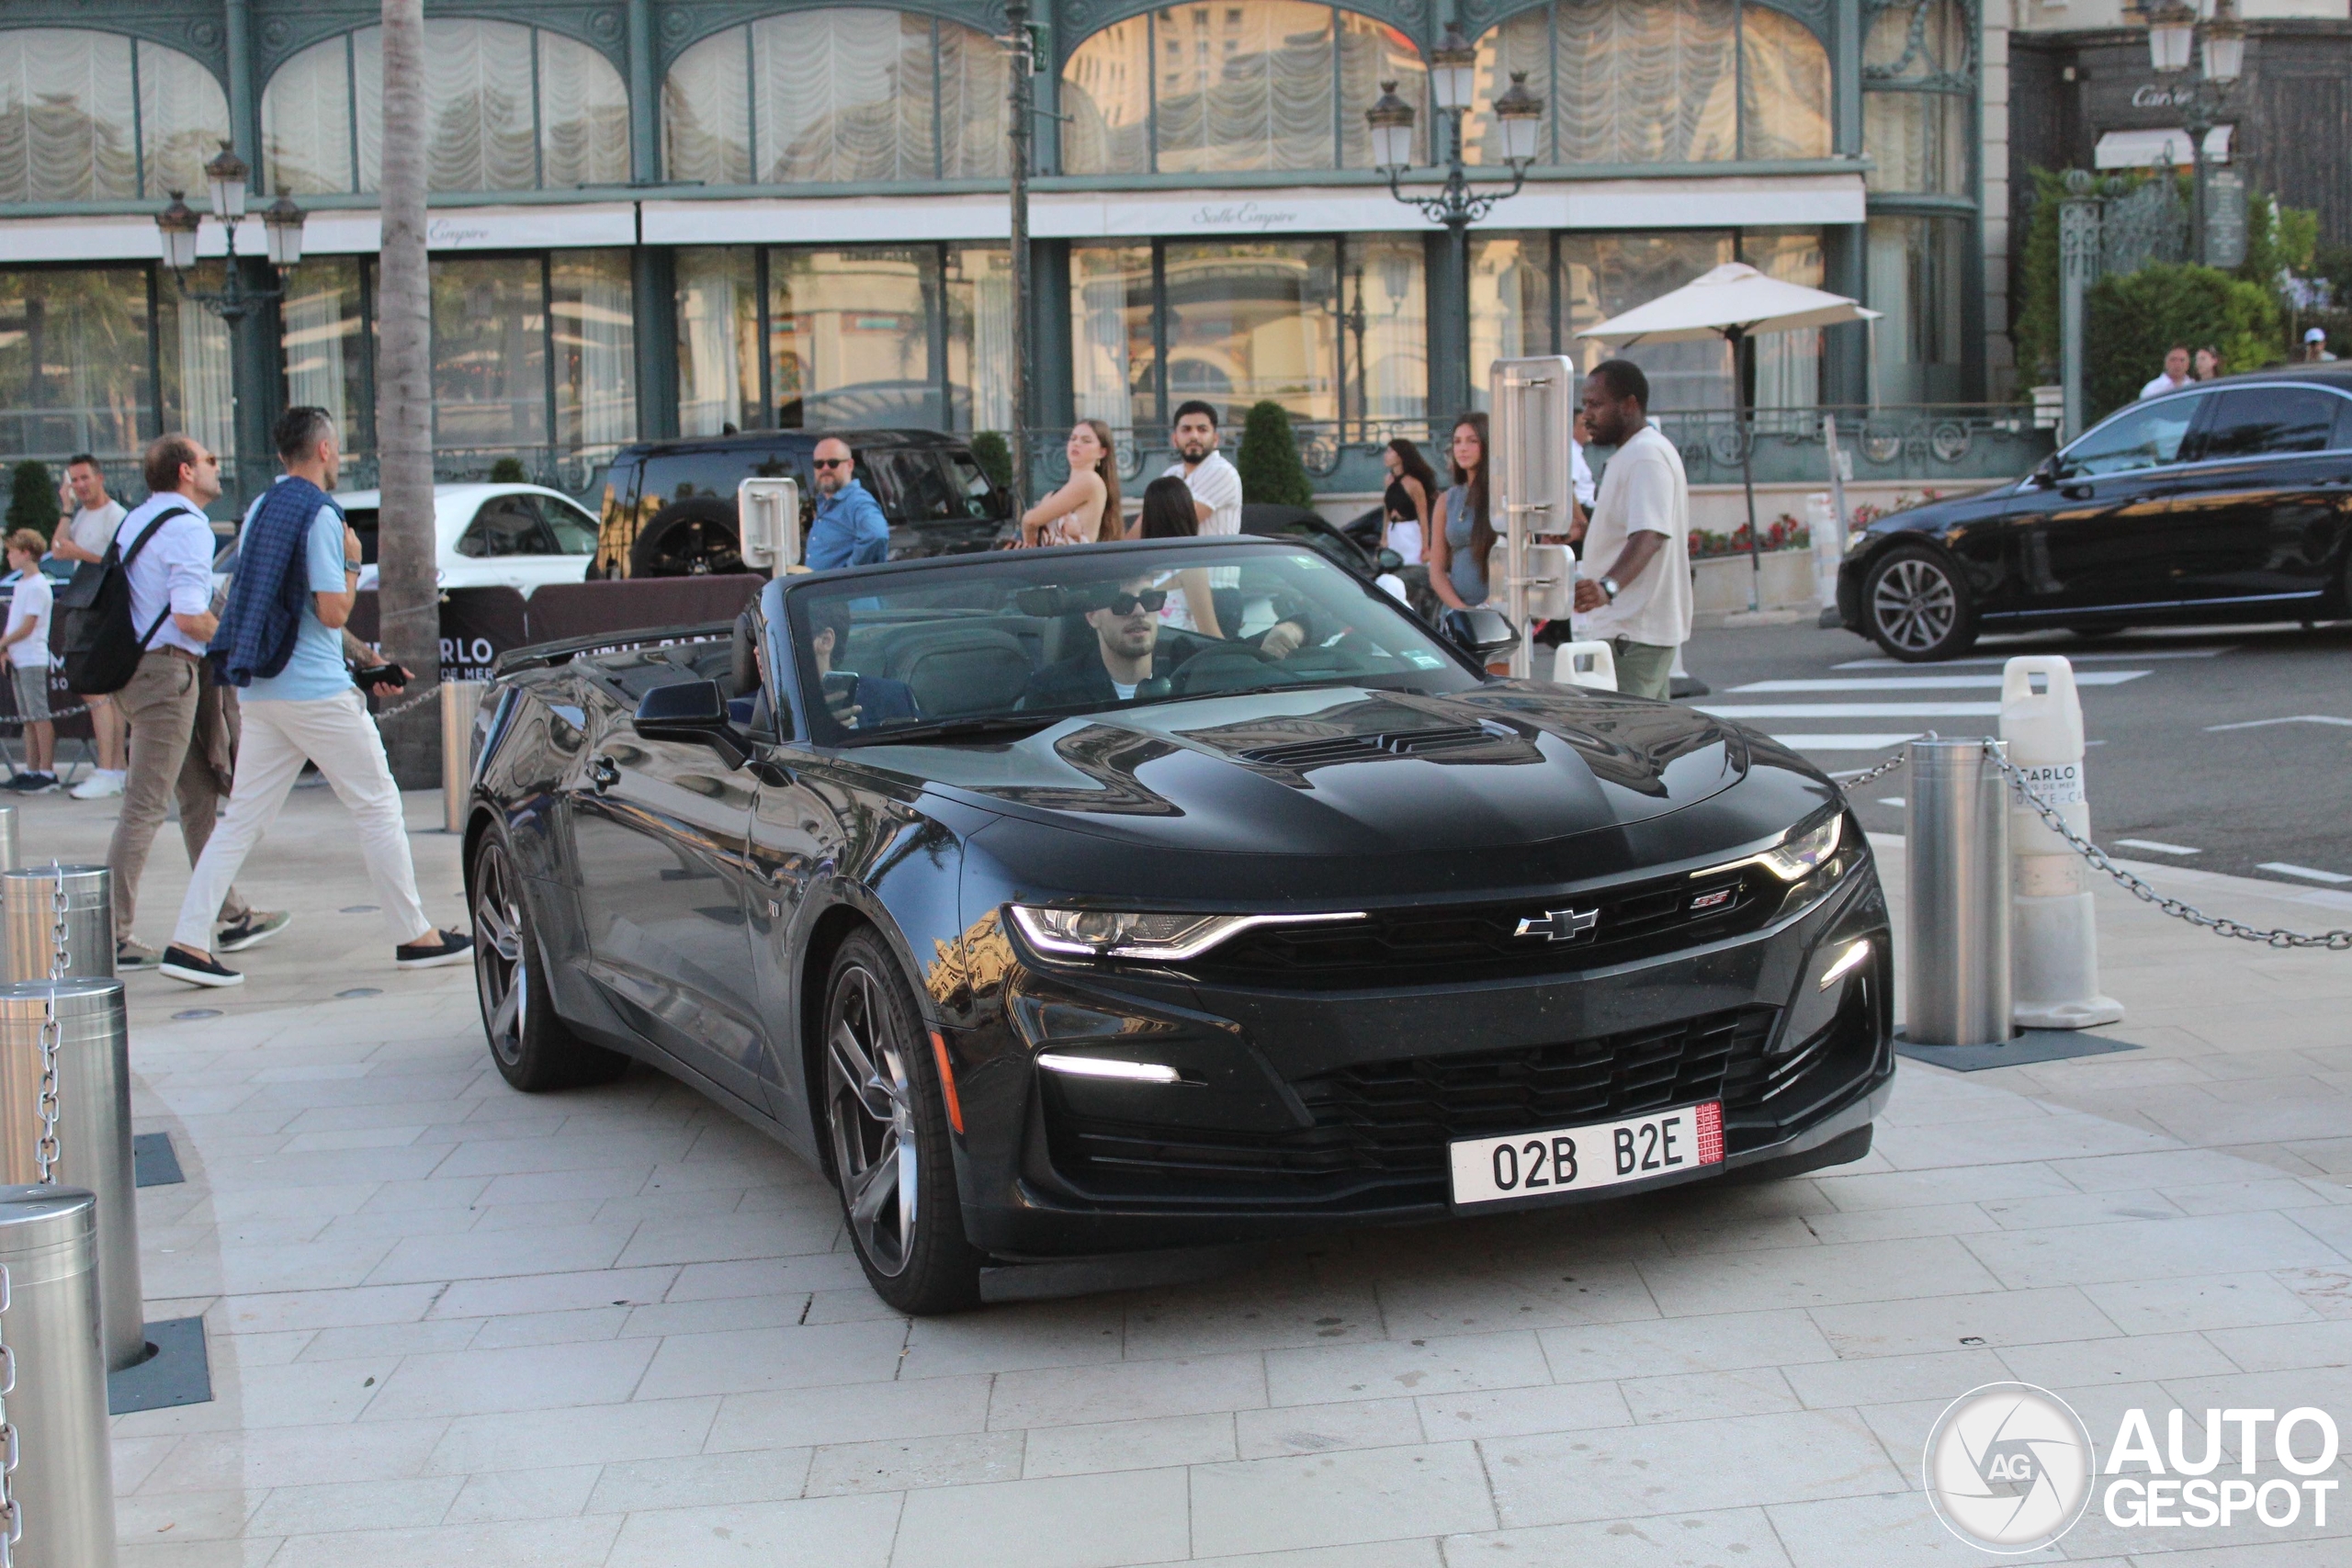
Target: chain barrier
(410,703)
(2336,941)
(45,1151)
(12,1515)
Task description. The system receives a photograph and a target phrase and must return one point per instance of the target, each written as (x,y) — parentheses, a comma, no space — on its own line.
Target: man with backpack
(279,642)
(163,556)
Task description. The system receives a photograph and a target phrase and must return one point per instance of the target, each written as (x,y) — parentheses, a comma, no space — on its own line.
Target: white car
(490,536)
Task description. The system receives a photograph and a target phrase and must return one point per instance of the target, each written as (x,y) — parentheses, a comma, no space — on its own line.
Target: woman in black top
(1404,506)
(1167,513)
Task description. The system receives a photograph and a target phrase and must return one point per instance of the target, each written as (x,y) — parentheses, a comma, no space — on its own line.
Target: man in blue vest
(850,529)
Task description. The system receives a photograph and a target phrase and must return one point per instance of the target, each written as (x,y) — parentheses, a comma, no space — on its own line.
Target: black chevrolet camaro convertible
(1138,898)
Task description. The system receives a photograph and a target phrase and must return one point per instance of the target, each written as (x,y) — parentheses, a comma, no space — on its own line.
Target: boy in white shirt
(26,641)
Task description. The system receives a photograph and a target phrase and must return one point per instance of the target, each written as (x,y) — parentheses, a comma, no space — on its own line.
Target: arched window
(835,95)
(1918,77)
(489,129)
(1223,88)
(98,116)
(1658,82)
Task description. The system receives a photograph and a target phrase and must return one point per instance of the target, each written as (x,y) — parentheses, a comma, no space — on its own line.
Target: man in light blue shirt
(850,529)
(307,711)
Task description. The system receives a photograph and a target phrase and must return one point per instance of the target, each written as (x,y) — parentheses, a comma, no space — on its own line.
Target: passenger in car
(856,701)
(1168,514)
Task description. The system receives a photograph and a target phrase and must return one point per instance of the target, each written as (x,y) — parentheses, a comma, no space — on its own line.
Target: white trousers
(336,733)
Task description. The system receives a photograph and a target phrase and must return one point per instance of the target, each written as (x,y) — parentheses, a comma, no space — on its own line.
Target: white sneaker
(101,784)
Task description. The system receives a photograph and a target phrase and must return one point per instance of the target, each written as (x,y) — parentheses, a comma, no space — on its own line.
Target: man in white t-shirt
(1634,583)
(1215,484)
(90,517)
(27,642)
(2176,374)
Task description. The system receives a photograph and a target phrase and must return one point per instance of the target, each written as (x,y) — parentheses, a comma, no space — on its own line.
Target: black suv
(668,506)
(2227,501)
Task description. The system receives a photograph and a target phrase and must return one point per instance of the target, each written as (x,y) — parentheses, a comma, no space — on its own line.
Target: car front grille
(1381,1129)
(1436,945)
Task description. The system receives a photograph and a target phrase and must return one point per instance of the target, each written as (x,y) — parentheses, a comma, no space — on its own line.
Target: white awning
(2142,149)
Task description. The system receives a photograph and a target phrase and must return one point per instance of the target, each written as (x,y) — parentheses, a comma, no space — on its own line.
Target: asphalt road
(2200,740)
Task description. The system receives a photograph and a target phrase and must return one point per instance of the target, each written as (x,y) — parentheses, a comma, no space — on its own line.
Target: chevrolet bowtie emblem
(1559,925)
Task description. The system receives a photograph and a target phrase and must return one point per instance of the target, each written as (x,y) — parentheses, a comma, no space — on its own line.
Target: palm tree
(408,602)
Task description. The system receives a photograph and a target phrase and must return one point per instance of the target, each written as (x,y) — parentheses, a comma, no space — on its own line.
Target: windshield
(1019,639)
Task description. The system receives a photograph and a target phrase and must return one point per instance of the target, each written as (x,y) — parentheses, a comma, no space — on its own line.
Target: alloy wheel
(502,962)
(869,1102)
(1915,605)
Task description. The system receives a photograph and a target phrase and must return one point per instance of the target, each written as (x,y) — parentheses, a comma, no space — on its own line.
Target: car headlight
(1166,938)
(1800,854)
(1857,539)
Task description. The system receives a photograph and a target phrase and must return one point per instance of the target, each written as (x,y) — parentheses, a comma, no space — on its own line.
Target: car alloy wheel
(502,960)
(1915,605)
(869,1098)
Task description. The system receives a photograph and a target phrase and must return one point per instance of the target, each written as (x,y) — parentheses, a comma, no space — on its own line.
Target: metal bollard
(28,910)
(1956,820)
(93,1129)
(62,1487)
(7,837)
(460,700)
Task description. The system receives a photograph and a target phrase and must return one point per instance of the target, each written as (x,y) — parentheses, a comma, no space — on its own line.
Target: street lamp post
(181,227)
(2173,30)
(1452,84)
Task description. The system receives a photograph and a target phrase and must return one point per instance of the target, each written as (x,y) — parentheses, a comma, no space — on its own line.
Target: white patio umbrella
(1734,302)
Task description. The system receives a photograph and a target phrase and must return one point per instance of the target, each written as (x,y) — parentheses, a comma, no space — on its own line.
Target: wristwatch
(1609,586)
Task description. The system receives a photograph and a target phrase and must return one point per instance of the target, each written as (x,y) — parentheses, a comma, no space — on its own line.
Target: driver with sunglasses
(1127,660)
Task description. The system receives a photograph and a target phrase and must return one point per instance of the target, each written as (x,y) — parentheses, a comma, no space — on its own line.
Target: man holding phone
(856,701)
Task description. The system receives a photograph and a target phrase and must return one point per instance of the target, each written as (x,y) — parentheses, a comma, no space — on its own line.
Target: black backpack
(102,647)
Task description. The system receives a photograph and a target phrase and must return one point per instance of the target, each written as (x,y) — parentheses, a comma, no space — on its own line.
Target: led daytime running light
(1851,959)
(1108,1067)
(1797,856)
(1168,938)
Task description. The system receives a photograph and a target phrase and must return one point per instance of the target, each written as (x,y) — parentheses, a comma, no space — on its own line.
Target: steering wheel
(1223,668)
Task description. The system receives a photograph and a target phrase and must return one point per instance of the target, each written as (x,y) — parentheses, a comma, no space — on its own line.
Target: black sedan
(2228,501)
(1050,918)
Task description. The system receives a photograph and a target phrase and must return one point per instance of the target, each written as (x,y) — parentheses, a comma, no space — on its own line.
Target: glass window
(2254,421)
(1510,302)
(73,359)
(836,95)
(2136,438)
(1252,319)
(591,310)
(1224,88)
(1628,81)
(1918,141)
(71,129)
(851,336)
(1388,321)
(490,345)
(719,341)
(506,526)
(326,354)
(571,530)
(1602,275)
(192,344)
(1915,274)
(323,110)
(980,336)
(1113,362)
(1788,365)
(1784,87)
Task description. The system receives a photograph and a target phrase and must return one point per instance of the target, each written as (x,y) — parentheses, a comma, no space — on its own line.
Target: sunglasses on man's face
(832,462)
(1150,599)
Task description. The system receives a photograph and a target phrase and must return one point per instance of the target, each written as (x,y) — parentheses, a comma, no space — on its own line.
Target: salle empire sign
(2010,1468)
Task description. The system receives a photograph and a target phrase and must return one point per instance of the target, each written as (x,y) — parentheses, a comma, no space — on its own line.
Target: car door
(497,546)
(562,547)
(2257,520)
(796,832)
(659,829)
(2098,533)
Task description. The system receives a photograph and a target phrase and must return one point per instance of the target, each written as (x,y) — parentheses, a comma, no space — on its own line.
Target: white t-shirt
(93,527)
(1581,473)
(31,604)
(173,570)
(1215,484)
(1644,491)
(2165,384)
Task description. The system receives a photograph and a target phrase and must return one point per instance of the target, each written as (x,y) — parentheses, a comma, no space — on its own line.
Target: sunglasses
(832,462)
(1150,599)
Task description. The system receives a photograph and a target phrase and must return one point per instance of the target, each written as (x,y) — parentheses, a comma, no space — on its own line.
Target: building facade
(658,216)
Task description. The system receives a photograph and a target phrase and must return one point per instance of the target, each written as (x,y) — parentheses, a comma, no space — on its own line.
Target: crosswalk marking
(1884,741)
(2309,872)
(2072,658)
(1933,683)
(1744,713)
(2156,846)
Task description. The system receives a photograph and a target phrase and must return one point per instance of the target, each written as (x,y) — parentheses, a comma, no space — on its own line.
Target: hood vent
(1486,741)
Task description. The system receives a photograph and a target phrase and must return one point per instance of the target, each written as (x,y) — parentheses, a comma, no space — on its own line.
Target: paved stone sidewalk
(451,1324)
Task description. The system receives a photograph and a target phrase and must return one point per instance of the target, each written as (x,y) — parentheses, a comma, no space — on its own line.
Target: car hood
(1348,771)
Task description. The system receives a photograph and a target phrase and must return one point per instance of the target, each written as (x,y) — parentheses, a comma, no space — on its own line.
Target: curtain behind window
(320,341)
(199,396)
(1785,101)
(1604,274)
(592,310)
(1788,365)
(66,117)
(1111,339)
(1511,303)
(1106,91)
(1391,370)
(306,121)
(842,95)
(980,336)
(584,116)
(719,334)
(706,112)
(1246,87)
(478,106)
(1647,81)
(74,360)
(974,110)
(183,119)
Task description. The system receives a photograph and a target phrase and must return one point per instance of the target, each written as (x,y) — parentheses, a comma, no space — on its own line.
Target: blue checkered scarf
(273,582)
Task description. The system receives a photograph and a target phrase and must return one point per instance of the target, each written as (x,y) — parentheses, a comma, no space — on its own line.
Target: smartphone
(840,689)
(380,675)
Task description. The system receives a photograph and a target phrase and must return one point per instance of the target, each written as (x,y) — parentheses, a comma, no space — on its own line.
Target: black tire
(688,538)
(1916,607)
(882,1110)
(532,1048)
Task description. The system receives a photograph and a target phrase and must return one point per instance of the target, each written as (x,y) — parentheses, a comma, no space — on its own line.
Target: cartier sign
(2156,96)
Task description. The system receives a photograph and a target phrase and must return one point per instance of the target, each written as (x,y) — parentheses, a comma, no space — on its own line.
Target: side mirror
(2045,473)
(1389,560)
(693,711)
(1482,633)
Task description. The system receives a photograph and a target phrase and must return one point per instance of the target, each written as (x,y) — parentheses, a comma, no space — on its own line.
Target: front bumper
(1305,1109)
